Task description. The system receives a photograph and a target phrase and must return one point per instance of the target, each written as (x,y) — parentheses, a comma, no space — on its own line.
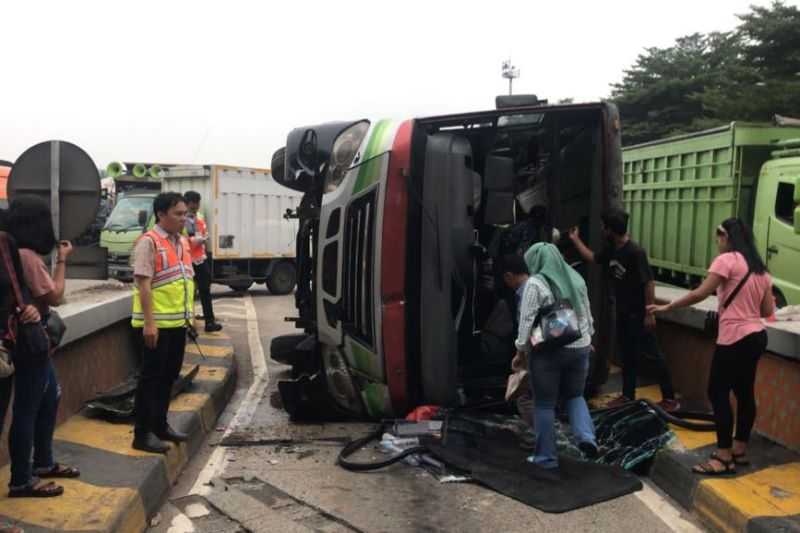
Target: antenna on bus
(510,72)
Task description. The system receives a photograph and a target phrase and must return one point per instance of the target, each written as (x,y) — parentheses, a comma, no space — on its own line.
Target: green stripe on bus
(368,172)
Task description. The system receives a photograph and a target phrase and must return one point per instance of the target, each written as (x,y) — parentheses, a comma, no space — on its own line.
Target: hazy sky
(224,82)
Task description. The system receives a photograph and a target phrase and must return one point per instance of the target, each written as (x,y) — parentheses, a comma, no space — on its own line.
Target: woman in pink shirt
(741,340)
(36,389)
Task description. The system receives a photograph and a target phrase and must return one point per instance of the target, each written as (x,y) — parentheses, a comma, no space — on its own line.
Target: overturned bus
(402,228)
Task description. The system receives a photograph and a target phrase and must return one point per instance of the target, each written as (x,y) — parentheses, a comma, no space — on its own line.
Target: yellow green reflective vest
(172,285)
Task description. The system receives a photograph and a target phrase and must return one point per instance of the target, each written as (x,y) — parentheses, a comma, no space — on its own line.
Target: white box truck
(250,240)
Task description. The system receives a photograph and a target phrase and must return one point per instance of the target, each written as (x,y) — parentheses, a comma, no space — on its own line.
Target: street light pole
(510,72)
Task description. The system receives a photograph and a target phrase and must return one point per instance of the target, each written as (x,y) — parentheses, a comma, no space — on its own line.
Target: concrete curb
(120,488)
(764,496)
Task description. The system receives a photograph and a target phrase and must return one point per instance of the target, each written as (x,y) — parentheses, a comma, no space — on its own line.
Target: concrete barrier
(689,351)
(764,496)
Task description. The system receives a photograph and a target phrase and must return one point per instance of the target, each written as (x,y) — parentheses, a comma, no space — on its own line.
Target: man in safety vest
(197,232)
(163,306)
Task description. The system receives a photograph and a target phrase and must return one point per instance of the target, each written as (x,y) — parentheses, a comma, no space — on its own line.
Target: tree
(772,37)
(707,80)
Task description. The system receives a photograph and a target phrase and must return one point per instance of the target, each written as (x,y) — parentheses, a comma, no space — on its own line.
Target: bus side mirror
(308,153)
(143,218)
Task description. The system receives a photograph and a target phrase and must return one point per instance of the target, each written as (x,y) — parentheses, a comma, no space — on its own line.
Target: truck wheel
(282,279)
(240,286)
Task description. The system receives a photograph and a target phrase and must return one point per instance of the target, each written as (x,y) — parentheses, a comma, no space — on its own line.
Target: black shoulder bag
(31,341)
(712,317)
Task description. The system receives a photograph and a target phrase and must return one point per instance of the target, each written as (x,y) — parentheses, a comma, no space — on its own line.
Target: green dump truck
(678,190)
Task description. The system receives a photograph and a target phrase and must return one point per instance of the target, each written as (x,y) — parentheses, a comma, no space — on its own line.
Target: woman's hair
(30,222)
(740,239)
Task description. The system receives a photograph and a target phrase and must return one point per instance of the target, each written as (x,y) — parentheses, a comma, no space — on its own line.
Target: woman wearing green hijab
(560,372)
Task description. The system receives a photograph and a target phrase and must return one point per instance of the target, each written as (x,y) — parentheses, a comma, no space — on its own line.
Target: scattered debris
(155,520)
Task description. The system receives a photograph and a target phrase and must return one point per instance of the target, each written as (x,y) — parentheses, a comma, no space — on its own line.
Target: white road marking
(244,414)
(668,512)
(181,524)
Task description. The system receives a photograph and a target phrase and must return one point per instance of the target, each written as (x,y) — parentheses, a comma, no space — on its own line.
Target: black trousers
(202,277)
(634,340)
(5,398)
(159,370)
(734,369)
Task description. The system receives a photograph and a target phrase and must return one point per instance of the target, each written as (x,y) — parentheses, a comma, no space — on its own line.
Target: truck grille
(357,293)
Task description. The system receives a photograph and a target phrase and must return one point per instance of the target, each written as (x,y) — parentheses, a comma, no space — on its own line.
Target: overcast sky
(224,82)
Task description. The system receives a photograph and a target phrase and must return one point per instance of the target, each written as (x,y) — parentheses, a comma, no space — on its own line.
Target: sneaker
(211,327)
(670,405)
(619,401)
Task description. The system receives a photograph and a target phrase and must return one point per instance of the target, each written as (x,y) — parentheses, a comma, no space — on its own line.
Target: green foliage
(707,80)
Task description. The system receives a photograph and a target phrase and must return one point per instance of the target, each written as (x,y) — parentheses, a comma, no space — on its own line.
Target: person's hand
(654,309)
(64,249)
(30,314)
(574,233)
(518,362)
(150,333)
(650,322)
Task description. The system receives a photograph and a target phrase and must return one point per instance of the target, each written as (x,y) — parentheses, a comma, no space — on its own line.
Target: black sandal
(46,490)
(57,471)
(707,469)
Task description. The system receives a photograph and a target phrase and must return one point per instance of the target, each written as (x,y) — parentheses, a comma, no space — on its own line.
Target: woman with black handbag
(744,289)
(26,315)
(555,334)
(36,392)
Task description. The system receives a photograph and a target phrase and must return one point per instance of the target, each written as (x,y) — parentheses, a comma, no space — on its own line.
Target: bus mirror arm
(797,220)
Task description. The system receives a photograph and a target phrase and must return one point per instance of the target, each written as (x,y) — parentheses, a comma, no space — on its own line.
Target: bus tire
(283,278)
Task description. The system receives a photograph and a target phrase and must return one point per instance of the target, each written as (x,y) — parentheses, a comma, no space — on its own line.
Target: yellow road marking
(205,372)
(731,503)
(116,438)
(210,351)
(81,507)
(218,335)
(198,402)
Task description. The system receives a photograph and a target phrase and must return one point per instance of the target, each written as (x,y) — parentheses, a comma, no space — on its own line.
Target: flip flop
(57,471)
(47,490)
(707,469)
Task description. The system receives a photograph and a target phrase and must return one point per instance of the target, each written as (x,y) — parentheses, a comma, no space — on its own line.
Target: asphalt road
(259,472)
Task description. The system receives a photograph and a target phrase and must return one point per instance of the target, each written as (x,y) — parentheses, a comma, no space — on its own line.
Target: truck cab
(402,230)
(135,187)
(776,220)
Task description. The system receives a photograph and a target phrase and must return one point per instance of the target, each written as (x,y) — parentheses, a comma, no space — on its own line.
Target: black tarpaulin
(494,454)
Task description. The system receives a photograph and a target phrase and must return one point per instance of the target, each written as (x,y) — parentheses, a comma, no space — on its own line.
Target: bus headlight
(344,151)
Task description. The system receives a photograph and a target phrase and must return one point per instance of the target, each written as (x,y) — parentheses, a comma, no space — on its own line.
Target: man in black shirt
(634,288)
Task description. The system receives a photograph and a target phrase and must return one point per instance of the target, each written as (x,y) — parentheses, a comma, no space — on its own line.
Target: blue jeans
(33,421)
(553,375)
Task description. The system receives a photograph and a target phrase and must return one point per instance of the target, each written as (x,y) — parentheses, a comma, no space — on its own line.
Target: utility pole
(510,72)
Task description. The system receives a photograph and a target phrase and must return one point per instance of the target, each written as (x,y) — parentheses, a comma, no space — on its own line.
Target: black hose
(677,418)
(353,446)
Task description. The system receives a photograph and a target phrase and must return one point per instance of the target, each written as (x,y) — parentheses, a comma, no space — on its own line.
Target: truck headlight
(344,151)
